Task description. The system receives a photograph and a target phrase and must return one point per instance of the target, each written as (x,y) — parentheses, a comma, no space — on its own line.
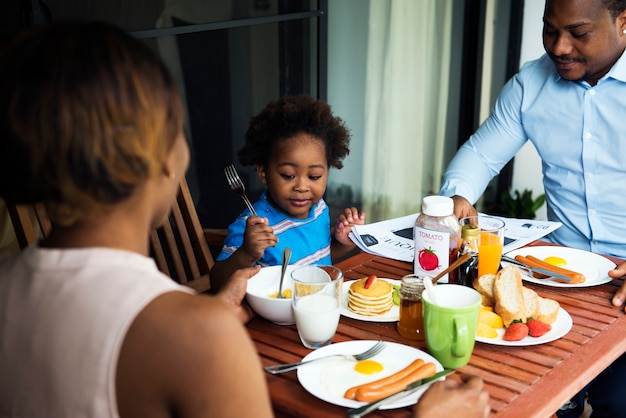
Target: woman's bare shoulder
(181,345)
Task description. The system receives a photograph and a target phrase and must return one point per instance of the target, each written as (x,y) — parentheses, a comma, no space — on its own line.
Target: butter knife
(412,387)
(531,270)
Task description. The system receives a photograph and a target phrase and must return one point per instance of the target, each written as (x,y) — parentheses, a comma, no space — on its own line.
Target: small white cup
(317,292)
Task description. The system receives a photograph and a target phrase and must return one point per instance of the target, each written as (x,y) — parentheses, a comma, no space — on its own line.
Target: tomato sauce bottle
(436,238)
(411,320)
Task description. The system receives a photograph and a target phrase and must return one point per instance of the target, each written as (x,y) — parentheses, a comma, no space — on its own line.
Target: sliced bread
(531,303)
(508,295)
(548,310)
(484,286)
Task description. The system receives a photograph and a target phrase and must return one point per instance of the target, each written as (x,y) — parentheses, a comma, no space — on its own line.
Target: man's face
(582,39)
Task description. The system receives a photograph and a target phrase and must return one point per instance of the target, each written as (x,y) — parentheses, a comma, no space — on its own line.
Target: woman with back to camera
(91,124)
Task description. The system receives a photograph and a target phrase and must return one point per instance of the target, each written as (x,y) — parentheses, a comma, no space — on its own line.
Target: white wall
(347,58)
(527,165)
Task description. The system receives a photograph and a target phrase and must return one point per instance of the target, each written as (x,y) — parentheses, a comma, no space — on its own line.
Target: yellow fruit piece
(490,318)
(487,308)
(485,331)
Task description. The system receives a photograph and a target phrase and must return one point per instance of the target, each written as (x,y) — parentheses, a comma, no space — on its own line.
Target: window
(231,58)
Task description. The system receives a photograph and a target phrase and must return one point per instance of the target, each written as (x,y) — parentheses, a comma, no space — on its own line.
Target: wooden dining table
(527,381)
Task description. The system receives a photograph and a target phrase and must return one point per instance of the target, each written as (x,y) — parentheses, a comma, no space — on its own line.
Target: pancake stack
(376,300)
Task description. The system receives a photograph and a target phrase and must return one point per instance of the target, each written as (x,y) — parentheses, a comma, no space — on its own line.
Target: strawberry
(370,280)
(516,331)
(537,328)
(428,259)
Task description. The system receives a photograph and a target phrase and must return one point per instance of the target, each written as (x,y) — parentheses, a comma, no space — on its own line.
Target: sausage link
(532,261)
(368,394)
(351,392)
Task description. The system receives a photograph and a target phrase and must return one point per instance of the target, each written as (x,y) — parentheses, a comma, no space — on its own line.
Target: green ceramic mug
(450,320)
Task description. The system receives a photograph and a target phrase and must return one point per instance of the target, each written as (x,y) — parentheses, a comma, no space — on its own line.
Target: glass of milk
(317,292)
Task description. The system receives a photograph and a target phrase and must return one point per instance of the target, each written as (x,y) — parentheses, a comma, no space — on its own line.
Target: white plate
(391,315)
(328,380)
(560,327)
(593,266)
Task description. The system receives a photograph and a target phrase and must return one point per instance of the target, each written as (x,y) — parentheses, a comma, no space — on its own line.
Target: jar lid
(414,279)
(469,231)
(437,205)
(413,283)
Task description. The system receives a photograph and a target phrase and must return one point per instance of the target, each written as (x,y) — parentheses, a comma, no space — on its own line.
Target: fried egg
(337,376)
(368,367)
(555,261)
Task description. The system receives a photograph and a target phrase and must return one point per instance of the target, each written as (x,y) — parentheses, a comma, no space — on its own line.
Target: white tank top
(63,317)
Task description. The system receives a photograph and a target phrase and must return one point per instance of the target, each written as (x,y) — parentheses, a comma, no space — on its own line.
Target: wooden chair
(180,248)
(29,223)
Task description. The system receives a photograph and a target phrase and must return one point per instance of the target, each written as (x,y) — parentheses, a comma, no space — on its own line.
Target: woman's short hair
(87,113)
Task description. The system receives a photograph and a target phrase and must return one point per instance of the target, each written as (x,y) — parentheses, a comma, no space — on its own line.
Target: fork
(235,183)
(369,353)
(533,271)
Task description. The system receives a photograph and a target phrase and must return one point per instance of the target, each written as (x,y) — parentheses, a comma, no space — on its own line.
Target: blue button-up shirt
(579,131)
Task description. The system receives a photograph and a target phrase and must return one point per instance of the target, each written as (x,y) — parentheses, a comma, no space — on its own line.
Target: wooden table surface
(531,381)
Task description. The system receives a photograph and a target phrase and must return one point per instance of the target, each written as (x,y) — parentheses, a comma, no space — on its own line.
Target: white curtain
(405,106)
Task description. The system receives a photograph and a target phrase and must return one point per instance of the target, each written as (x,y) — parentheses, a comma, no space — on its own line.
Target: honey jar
(411,321)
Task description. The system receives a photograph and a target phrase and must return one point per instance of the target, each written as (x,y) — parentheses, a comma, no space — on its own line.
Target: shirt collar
(618,70)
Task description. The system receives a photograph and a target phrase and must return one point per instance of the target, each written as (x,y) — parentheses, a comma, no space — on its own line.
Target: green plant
(521,205)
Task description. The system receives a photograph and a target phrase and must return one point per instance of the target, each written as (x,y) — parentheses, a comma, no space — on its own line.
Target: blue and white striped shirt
(309,239)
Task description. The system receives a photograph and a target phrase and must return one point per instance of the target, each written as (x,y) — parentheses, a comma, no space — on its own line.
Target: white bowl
(261,286)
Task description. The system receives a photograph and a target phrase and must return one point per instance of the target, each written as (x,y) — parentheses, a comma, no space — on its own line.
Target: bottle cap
(437,205)
(469,232)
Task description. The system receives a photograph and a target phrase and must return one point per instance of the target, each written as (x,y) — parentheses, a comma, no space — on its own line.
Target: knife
(551,274)
(412,387)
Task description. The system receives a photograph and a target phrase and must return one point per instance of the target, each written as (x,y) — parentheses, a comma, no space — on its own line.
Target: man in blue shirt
(571,104)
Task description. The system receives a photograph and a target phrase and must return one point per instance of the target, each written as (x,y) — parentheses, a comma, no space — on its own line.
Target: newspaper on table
(394,238)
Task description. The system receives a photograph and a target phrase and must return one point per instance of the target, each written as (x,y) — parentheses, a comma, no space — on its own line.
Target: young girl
(293,142)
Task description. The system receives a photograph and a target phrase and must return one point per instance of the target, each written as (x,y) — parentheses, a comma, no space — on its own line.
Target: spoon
(283,270)
(428,286)
(462,259)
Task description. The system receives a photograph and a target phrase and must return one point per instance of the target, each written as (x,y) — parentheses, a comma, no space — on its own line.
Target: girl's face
(296,175)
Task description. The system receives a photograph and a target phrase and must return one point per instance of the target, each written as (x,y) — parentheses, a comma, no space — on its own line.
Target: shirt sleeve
(494,143)
(234,238)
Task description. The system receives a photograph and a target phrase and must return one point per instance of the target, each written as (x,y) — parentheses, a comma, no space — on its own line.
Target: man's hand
(462,207)
(620,295)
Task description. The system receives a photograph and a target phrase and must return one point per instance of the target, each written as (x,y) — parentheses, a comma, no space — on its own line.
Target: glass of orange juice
(490,243)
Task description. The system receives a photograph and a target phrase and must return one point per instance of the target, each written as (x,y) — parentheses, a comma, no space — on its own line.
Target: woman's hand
(466,398)
(234,291)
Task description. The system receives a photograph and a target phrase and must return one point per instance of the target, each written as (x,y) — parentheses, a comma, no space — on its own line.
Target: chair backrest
(179,248)
(29,222)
